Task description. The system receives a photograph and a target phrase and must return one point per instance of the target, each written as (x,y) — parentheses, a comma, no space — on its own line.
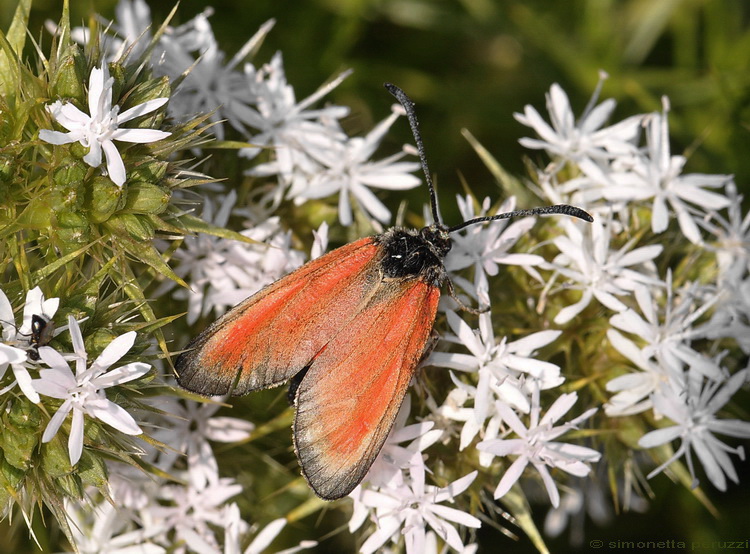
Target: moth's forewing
(348,400)
(358,322)
(268,338)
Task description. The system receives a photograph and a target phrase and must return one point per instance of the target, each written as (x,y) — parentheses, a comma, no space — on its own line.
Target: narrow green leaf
(147,253)
(130,286)
(9,74)
(232,144)
(518,506)
(197,225)
(17,31)
(308,507)
(49,269)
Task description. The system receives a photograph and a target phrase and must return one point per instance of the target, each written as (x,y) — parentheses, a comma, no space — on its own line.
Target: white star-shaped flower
(101,126)
(585,142)
(535,445)
(731,246)
(187,431)
(732,238)
(187,512)
(655,173)
(389,469)
(669,329)
(500,363)
(83,393)
(598,271)
(633,391)
(486,246)
(694,414)
(235,531)
(222,272)
(286,125)
(346,169)
(412,507)
(105,527)
(208,83)
(129,32)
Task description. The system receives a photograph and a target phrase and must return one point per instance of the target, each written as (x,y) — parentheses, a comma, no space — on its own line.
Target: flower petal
(56,420)
(141,109)
(142,136)
(75,440)
(114,416)
(115,165)
(114,351)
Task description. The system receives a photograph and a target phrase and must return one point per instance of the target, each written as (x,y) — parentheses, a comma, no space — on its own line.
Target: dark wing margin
(348,400)
(268,338)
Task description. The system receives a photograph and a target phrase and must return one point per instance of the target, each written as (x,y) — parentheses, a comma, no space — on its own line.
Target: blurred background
(472,64)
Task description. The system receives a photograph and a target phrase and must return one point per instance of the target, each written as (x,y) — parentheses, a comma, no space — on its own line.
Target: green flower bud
(71,238)
(117,73)
(7,170)
(69,219)
(72,73)
(10,479)
(70,485)
(145,198)
(136,228)
(104,199)
(78,150)
(70,171)
(37,215)
(55,459)
(19,447)
(23,414)
(9,474)
(92,470)
(149,90)
(152,171)
(20,433)
(99,339)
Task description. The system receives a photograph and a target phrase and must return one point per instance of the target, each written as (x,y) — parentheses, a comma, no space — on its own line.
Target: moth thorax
(409,253)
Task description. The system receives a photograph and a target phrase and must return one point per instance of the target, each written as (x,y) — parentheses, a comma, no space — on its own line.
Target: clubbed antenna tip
(559,209)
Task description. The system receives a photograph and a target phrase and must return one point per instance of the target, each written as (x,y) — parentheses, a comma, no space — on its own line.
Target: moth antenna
(411,115)
(561,209)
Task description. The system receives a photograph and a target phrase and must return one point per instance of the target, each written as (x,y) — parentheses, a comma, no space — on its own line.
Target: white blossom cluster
(193,510)
(145,513)
(304,148)
(311,155)
(671,326)
(617,173)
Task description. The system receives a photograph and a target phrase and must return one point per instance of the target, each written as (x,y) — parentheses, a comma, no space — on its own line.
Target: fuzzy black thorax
(410,253)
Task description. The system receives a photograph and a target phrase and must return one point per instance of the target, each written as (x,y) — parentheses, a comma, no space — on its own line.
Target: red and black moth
(348,330)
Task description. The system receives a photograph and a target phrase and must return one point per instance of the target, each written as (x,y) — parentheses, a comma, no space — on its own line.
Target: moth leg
(429,346)
(461,305)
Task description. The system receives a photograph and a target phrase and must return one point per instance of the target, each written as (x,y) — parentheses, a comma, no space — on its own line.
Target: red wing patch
(271,336)
(348,400)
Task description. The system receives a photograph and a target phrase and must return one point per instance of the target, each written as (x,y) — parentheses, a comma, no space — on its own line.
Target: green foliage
(73,232)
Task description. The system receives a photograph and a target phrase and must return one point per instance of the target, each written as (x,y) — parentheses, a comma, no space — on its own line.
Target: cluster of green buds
(89,167)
